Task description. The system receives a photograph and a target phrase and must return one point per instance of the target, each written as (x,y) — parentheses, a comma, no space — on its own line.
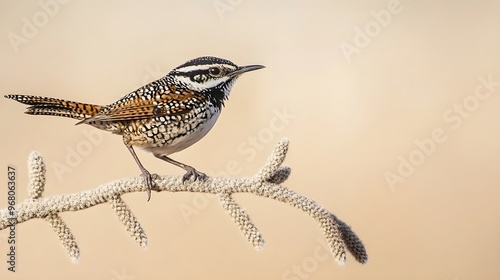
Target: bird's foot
(148,179)
(191,172)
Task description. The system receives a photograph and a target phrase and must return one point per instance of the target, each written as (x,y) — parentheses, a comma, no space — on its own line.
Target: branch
(266,183)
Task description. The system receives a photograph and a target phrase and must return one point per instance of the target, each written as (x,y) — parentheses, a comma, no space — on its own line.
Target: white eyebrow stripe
(187,69)
(196,67)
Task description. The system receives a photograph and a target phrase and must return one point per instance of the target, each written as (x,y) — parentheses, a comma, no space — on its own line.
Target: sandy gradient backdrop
(352,118)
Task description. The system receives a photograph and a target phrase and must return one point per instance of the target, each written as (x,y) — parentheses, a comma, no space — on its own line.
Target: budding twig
(267,183)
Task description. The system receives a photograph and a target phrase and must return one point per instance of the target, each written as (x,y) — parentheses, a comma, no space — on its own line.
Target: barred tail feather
(40,105)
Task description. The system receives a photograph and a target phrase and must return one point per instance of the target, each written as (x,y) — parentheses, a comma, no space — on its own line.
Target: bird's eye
(214,71)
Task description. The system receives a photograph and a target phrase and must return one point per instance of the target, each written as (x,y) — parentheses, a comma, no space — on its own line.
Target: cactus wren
(162,117)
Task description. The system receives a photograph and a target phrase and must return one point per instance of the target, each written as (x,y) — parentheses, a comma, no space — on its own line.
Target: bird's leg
(147,176)
(190,171)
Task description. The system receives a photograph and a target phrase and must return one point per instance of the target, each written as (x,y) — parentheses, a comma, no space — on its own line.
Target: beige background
(352,120)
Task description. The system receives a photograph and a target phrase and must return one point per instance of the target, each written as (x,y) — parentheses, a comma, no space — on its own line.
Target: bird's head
(209,75)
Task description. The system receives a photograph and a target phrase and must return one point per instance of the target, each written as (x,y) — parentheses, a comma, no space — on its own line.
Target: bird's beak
(248,68)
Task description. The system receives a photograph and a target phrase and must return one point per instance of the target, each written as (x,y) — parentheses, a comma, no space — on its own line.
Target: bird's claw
(148,178)
(197,175)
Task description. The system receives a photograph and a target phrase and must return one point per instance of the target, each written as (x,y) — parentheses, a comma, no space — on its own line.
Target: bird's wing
(161,105)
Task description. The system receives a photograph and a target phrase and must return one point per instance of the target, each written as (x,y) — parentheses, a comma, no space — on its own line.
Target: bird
(163,117)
